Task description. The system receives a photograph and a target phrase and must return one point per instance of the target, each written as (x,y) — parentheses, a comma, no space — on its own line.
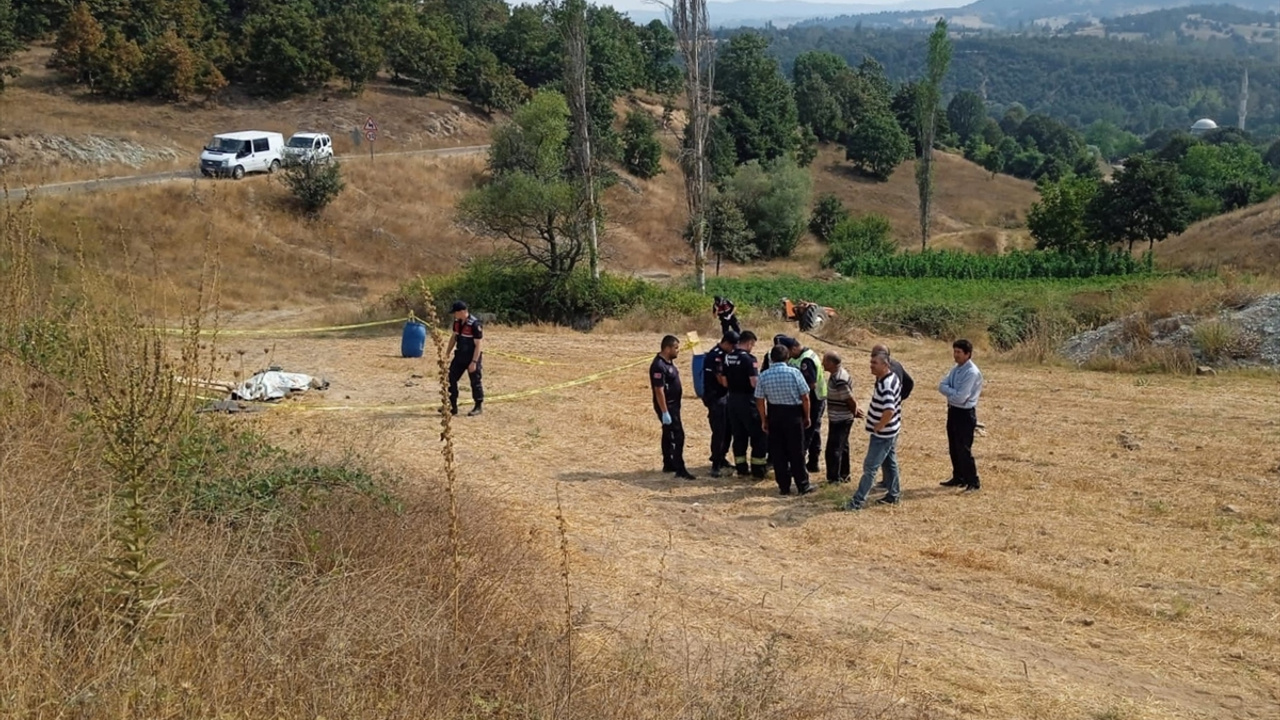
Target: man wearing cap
(810,366)
(715,396)
(782,399)
(468,332)
(724,308)
(664,378)
(739,378)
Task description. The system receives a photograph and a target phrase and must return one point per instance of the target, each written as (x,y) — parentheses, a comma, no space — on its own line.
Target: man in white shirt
(961,387)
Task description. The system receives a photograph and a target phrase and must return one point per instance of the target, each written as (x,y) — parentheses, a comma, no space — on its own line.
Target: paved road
(85,186)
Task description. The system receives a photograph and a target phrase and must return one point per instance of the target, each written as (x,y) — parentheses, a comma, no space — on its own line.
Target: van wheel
(206,173)
(238,172)
(275,165)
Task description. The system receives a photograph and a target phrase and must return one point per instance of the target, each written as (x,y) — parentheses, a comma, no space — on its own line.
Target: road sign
(370,126)
(371,136)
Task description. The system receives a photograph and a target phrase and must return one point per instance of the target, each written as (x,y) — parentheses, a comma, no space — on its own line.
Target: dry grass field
(1096,576)
(1247,240)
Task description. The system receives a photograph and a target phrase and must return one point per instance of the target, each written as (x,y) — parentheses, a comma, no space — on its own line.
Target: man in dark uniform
(724,310)
(467,335)
(664,378)
(740,374)
(715,397)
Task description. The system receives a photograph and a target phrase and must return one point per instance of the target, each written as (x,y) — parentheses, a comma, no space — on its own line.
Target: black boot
(477,410)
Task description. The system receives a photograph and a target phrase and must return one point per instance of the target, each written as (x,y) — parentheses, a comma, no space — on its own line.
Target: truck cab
(309,147)
(237,153)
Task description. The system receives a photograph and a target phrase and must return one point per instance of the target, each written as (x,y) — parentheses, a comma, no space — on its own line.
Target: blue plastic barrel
(414,339)
(699,363)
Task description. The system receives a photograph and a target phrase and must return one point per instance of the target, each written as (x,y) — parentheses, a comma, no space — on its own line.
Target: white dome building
(1203,126)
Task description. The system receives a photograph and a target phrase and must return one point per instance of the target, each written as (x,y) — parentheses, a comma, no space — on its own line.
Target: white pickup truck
(309,147)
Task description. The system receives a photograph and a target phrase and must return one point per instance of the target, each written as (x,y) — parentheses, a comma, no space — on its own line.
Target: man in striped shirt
(842,409)
(962,387)
(883,423)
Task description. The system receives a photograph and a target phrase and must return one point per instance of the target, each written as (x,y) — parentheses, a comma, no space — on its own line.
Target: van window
(245,149)
(261,145)
(326,142)
(316,144)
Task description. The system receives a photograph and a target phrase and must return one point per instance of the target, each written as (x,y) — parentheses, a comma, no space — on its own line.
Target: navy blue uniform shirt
(739,367)
(468,332)
(665,375)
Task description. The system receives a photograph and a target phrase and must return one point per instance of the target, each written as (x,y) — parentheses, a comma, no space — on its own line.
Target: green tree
(641,151)
(118,66)
(1057,219)
(423,48)
(857,237)
(1112,142)
(10,44)
(529,199)
(774,200)
(487,82)
(530,45)
(172,69)
(757,103)
(1272,158)
(314,184)
(658,48)
(818,108)
(967,114)
(1224,177)
(355,49)
(828,213)
(1144,201)
(806,150)
(722,157)
(78,43)
(728,236)
(285,50)
(929,101)
(877,145)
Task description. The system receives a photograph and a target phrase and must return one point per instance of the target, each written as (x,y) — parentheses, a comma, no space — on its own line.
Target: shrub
(314,184)
(641,151)
(774,199)
(1013,265)
(861,237)
(514,292)
(827,214)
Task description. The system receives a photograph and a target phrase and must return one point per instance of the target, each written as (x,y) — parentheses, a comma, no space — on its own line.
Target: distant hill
(1011,14)
(780,13)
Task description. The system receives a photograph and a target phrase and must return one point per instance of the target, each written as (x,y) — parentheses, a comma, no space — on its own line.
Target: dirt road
(1086,580)
(85,186)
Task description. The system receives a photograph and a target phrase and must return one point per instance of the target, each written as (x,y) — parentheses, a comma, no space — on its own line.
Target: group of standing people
(771,414)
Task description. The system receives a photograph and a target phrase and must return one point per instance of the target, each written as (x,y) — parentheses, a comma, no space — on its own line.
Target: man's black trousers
(744,423)
(787,446)
(673,443)
(961,425)
(813,435)
(457,369)
(838,450)
(730,324)
(721,435)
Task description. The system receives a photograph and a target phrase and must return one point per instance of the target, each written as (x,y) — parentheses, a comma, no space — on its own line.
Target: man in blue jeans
(883,423)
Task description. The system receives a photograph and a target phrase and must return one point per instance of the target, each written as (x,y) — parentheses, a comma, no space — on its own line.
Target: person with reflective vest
(740,375)
(810,366)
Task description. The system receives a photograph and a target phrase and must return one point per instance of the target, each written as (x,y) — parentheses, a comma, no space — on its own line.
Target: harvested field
(1120,562)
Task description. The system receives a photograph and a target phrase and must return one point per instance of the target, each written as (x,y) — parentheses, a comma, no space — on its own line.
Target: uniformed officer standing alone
(664,378)
(468,332)
(740,375)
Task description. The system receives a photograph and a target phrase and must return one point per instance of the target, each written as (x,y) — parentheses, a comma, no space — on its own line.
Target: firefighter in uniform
(467,335)
(724,310)
(810,365)
(715,397)
(664,378)
(740,375)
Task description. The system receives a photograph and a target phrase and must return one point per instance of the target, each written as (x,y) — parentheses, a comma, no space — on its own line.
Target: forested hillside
(1141,87)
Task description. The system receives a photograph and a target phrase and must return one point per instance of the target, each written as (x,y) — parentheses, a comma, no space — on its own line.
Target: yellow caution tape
(292,331)
(426,407)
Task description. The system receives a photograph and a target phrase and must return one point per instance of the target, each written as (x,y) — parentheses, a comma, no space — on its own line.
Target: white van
(237,153)
(309,147)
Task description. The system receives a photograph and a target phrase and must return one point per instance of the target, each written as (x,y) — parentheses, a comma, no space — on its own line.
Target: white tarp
(273,385)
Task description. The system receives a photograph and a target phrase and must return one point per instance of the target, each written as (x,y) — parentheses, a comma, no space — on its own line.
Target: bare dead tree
(572,26)
(690,23)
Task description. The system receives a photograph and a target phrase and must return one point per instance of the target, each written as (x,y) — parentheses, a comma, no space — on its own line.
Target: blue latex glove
(666,418)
